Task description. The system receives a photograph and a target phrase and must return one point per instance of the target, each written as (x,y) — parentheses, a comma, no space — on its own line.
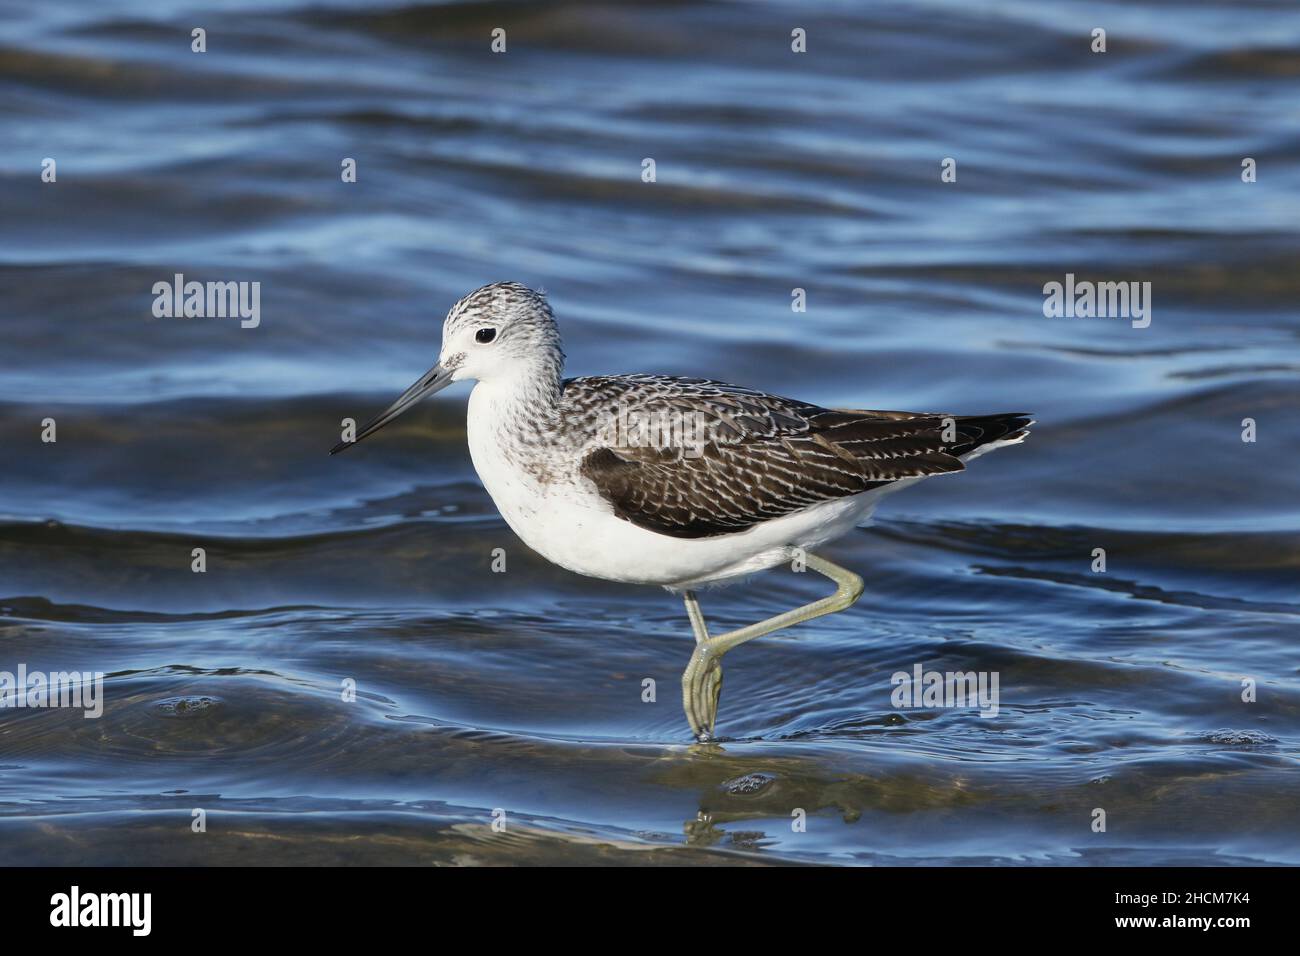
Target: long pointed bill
(434,380)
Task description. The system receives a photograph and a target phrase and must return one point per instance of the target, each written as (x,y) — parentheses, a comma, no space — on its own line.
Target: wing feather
(762,456)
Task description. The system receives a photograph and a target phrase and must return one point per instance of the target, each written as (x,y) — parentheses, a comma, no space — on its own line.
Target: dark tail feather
(975,431)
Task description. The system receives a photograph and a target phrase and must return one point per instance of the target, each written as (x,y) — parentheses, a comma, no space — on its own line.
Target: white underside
(574,527)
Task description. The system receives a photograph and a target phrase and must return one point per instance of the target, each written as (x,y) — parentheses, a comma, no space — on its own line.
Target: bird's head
(501,331)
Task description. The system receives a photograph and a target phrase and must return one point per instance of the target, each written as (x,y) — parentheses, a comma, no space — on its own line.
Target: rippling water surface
(522,692)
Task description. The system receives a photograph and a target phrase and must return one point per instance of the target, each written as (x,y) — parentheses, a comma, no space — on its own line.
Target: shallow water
(521,692)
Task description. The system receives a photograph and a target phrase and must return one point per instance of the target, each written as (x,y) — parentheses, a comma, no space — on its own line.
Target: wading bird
(751,480)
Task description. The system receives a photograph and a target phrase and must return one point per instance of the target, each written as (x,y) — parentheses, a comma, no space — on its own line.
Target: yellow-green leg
(702,679)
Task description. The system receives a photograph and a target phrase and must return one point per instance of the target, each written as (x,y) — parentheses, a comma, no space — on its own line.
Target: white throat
(503,425)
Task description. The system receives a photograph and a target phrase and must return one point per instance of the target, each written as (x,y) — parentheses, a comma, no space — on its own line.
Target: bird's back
(695,458)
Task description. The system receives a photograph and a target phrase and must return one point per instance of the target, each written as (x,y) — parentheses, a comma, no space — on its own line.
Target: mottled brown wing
(768,456)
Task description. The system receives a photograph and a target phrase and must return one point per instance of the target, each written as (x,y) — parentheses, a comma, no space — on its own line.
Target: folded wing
(735,457)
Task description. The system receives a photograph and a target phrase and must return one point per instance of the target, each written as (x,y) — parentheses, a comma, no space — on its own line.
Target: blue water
(522,692)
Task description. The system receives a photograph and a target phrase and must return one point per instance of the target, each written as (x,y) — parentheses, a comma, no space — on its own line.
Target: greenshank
(677,482)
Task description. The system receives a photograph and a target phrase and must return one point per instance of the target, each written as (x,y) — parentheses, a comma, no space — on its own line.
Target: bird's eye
(485,335)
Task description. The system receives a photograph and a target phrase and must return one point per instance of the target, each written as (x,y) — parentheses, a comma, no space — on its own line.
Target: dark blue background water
(522,691)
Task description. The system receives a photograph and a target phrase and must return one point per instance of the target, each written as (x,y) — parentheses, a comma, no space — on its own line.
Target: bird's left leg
(702,679)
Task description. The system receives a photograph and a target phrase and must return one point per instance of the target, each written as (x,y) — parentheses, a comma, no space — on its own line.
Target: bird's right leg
(702,679)
(697,617)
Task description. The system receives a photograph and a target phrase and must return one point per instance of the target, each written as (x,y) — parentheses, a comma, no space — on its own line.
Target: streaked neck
(522,407)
